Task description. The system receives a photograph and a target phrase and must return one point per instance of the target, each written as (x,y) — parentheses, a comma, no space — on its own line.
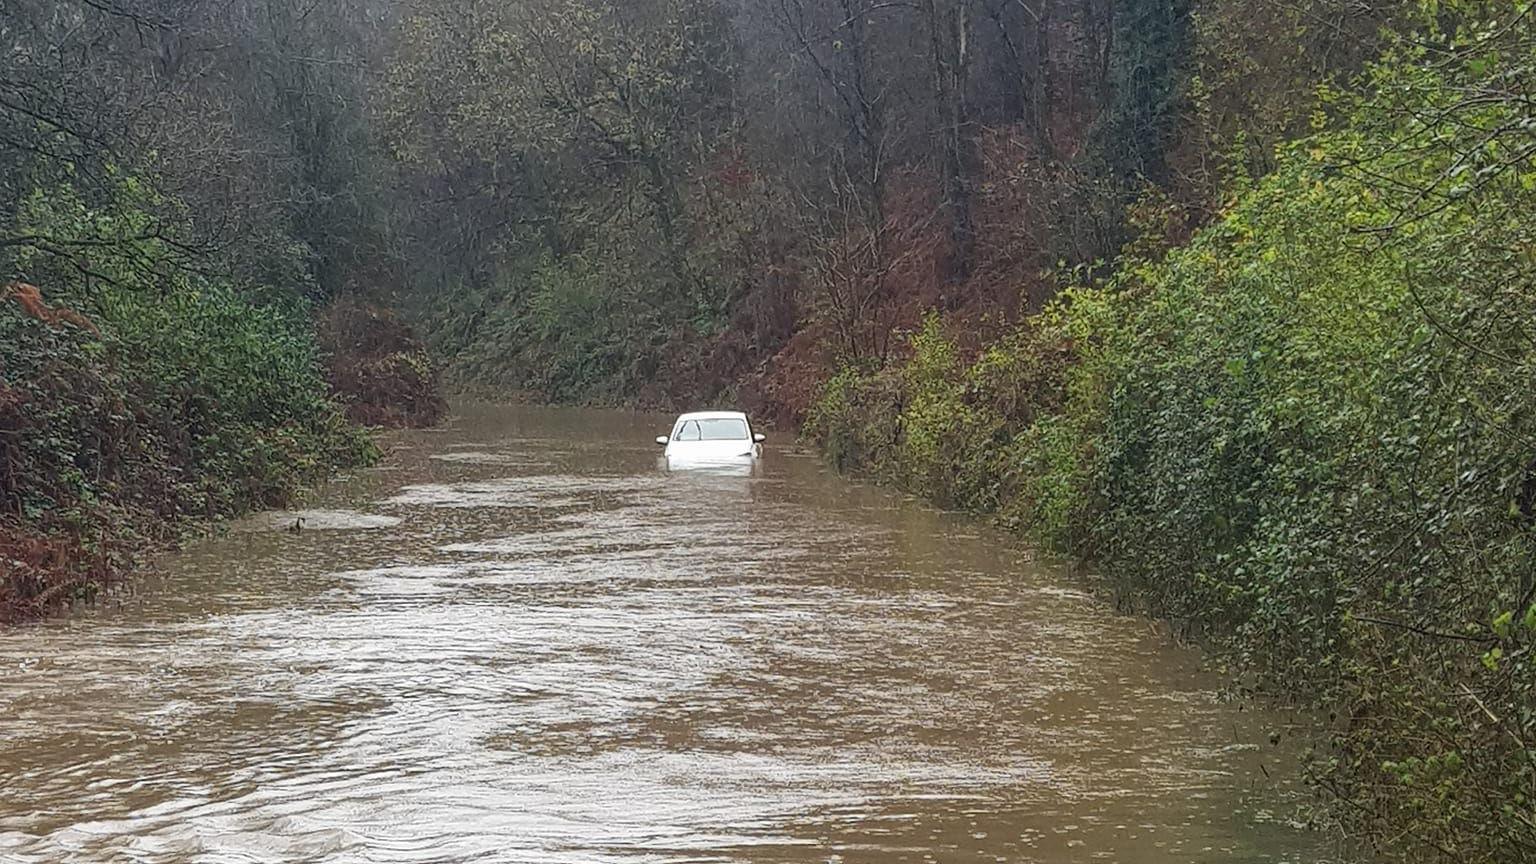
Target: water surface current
(520,640)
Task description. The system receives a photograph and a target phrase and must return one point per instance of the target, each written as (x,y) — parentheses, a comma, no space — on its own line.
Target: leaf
(1502,624)
(1492,658)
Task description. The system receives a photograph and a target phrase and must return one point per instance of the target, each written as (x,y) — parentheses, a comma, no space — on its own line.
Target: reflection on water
(523,641)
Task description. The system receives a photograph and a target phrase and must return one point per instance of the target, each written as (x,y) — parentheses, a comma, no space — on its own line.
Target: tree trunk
(949,27)
(1040,118)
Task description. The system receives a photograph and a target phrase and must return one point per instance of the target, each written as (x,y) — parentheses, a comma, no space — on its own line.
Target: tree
(949,27)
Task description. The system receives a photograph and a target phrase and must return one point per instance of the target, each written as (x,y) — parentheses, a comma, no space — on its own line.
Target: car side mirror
(759,437)
(663,440)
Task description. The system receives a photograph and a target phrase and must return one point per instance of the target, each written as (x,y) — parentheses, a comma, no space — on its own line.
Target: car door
(687,432)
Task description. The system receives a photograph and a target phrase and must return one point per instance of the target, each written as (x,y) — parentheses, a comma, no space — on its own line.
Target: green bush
(586,326)
(151,395)
(856,420)
(1308,438)
(1310,453)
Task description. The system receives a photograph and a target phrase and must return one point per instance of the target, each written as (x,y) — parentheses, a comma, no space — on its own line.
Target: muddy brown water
(521,641)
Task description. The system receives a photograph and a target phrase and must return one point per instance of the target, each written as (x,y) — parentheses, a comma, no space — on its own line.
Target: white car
(712,437)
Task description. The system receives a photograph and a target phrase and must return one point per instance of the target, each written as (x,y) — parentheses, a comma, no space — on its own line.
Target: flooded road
(520,641)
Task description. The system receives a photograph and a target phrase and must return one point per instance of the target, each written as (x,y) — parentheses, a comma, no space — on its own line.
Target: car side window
(689,432)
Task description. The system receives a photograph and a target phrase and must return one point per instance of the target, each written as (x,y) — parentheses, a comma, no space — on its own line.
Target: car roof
(713,415)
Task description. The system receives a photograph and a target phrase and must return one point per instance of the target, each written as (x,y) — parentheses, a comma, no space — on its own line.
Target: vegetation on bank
(1307,437)
(137,400)
(140,401)
(160,270)
(378,368)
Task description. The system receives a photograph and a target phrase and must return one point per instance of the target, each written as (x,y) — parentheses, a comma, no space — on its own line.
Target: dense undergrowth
(1307,438)
(139,399)
(378,368)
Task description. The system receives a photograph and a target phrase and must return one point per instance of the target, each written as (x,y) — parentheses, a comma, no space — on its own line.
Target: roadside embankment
(1307,440)
(141,400)
(378,367)
(127,426)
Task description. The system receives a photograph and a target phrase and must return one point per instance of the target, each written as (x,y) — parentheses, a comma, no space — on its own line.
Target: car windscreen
(721,429)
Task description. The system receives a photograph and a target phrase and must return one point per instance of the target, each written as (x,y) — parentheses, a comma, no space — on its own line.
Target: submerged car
(712,437)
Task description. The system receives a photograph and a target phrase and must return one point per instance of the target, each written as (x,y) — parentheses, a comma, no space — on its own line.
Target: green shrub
(857,420)
(941,444)
(1307,438)
(1309,454)
(151,396)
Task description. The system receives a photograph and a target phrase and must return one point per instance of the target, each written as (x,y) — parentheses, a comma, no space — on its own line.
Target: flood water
(521,641)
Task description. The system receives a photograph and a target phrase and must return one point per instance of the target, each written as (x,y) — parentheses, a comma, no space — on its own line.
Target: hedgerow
(138,396)
(1307,438)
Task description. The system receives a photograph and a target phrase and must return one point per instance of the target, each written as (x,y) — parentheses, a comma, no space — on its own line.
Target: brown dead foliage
(379,368)
(30,298)
(1007,276)
(42,573)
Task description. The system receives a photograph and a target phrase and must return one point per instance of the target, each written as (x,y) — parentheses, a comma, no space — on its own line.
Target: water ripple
(545,648)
